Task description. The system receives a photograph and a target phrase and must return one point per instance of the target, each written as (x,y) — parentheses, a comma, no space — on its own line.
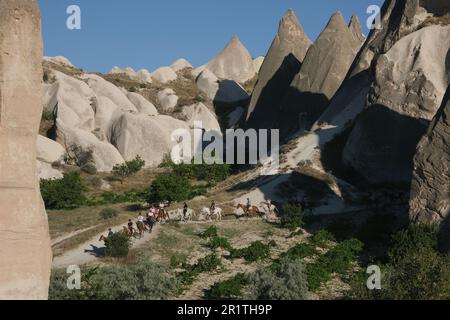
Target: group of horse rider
(157,213)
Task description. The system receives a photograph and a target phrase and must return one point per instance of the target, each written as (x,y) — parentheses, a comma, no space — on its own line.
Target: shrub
(118,245)
(300,251)
(228,289)
(124,170)
(292,217)
(89,168)
(219,242)
(412,239)
(288,282)
(337,260)
(212,173)
(65,193)
(170,187)
(108,213)
(256,251)
(209,233)
(323,238)
(207,264)
(141,281)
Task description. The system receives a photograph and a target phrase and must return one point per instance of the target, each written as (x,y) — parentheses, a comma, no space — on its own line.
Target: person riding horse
(130,226)
(212,209)
(249,205)
(110,232)
(185,209)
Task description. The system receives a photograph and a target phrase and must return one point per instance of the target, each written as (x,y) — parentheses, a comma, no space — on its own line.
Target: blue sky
(152,33)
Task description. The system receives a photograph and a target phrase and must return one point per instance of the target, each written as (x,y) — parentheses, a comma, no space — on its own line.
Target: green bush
(65,193)
(256,251)
(141,281)
(219,242)
(108,213)
(118,245)
(412,239)
(211,232)
(212,173)
(228,289)
(89,168)
(292,217)
(170,187)
(124,170)
(207,264)
(300,251)
(323,238)
(337,260)
(287,282)
(416,270)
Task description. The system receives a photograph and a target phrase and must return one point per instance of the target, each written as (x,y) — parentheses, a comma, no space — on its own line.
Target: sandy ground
(90,251)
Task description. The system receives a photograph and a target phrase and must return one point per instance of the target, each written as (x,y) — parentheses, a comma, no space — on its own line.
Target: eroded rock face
(233,63)
(148,137)
(410,81)
(280,65)
(227,91)
(164,75)
(199,113)
(25,254)
(430,188)
(180,64)
(324,68)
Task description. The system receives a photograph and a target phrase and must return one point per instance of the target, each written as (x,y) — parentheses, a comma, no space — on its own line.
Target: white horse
(178,215)
(218,213)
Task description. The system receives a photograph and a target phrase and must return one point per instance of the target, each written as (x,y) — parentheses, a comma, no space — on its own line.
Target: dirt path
(66,236)
(92,250)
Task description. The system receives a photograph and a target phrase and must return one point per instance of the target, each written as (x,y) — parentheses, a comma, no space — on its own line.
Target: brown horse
(141,228)
(103,238)
(127,232)
(251,212)
(162,215)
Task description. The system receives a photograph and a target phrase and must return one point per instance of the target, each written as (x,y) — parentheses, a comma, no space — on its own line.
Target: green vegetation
(141,281)
(323,238)
(415,270)
(173,188)
(211,173)
(65,193)
(292,217)
(207,264)
(118,245)
(228,289)
(209,233)
(113,198)
(286,282)
(337,260)
(127,169)
(108,213)
(256,251)
(300,251)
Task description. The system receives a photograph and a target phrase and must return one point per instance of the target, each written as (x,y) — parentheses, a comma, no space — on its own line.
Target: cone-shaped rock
(25,254)
(430,188)
(355,28)
(282,63)
(324,69)
(410,82)
(233,63)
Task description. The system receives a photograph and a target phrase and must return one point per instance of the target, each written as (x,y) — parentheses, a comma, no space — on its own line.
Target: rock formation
(227,91)
(180,64)
(25,254)
(196,72)
(144,75)
(142,105)
(281,64)
(164,75)
(148,137)
(430,188)
(410,81)
(324,68)
(257,63)
(355,28)
(167,99)
(200,113)
(60,60)
(233,63)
